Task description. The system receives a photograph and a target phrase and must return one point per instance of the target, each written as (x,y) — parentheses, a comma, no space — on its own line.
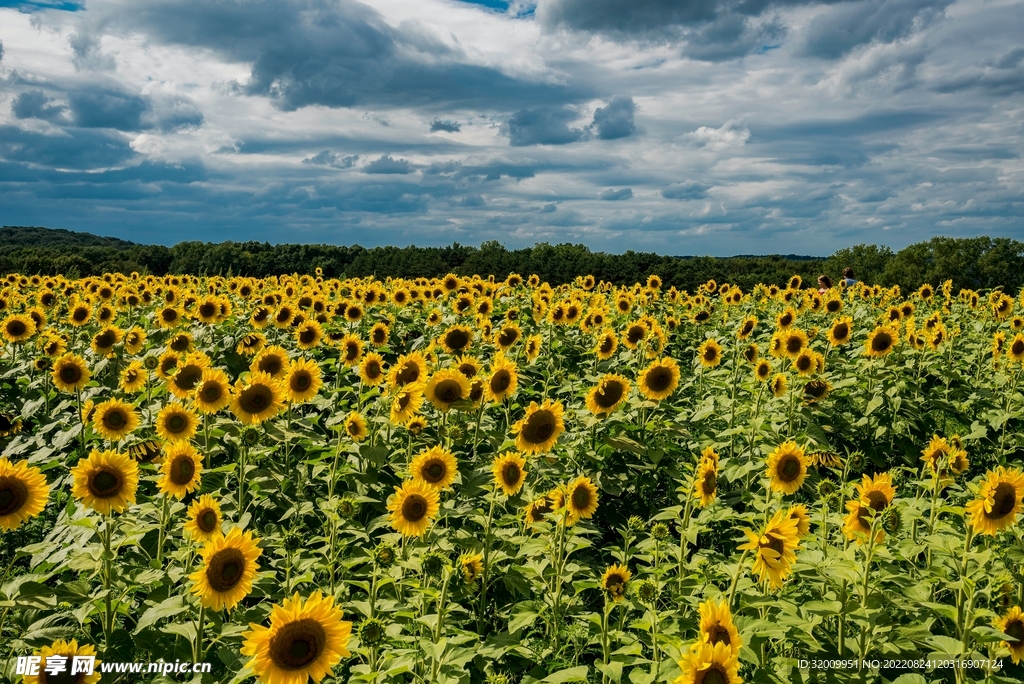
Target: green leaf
(573,674)
(164,609)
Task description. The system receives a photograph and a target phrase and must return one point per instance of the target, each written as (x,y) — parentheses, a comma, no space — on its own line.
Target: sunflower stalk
(736,578)
(439,625)
(486,564)
(162,533)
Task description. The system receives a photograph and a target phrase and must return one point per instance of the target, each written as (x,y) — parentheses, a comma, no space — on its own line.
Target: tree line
(976,263)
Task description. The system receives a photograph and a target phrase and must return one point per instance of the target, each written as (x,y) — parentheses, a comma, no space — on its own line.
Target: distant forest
(977,263)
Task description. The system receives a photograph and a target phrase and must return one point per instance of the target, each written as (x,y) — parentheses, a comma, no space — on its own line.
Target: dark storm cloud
(446,126)
(616,195)
(336,54)
(687,190)
(113,108)
(35,104)
(616,119)
(386,165)
(72,148)
(543,126)
(108,109)
(836,32)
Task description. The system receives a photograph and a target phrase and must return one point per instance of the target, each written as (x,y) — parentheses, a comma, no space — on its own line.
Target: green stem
(736,577)
(487,566)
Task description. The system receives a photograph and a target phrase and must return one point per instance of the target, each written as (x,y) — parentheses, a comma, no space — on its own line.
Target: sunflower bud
(433,564)
(151,362)
(372,632)
(647,591)
(659,531)
(497,678)
(384,555)
(891,520)
(250,437)
(825,488)
(635,523)
(348,507)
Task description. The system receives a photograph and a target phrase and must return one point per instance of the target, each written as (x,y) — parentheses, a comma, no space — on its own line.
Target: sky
(682,127)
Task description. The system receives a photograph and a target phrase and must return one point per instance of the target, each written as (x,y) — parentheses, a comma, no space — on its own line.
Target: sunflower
(70,373)
(52,345)
(251,344)
(660,379)
(716,626)
(213,391)
(103,342)
(779,385)
(746,327)
(257,399)
(9,425)
(181,470)
(167,365)
(106,481)
(412,506)
(944,458)
(762,370)
(457,338)
(615,580)
(65,652)
(204,519)
(707,663)
(446,387)
(190,371)
(133,377)
(874,495)
(371,369)
(786,319)
(1015,350)
(816,390)
(533,347)
(580,499)
(114,420)
(793,342)
(786,468)
(608,394)
(435,468)
(509,472)
(228,569)
(175,423)
(800,513)
(17,328)
(168,317)
(539,429)
(379,334)
(406,403)
(841,331)
(705,482)
(302,381)
(468,366)
(710,353)
(273,361)
(1012,625)
(472,566)
(634,335)
(416,424)
(355,426)
(507,336)
(23,493)
(881,341)
(774,547)
(806,362)
(999,501)
(503,380)
(308,335)
(606,345)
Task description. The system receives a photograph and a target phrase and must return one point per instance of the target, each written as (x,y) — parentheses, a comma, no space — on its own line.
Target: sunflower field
(473,480)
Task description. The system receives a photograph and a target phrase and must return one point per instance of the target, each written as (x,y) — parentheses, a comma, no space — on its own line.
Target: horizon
(766,128)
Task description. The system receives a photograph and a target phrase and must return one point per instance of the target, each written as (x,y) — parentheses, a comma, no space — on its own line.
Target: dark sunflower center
(114,419)
(183,469)
(508,337)
(301,381)
(606,345)
(414,508)
(787,319)
(448,391)
(410,373)
(211,392)
(80,314)
(877,500)
(175,423)
(581,498)
(187,377)
(709,483)
(105,483)
(379,336)
(614,583)
(1017,348)
(169,315)
(747,327)
(207,310)
(13,495)
(510,474)
(225,569)
(351,352)
(717,634)
(434,471)
(1016,630)
(456,339)
(713,675)
(635,334)
(659,379)
(500,381)
(539,427)
(763,370)
(6,422)
(468,369)
(70,374)
(256,398)
(308,336)
(270,364)
(881,342)
(62,677)
(207,520)
(777,545)
(803,362)
(1004,500)
(372,370)
(794,344)
(404,400)
(789,468)
(816,389)
(16,328)
(609,394)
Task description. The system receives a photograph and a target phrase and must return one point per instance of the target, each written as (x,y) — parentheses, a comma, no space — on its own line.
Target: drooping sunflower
(371,369)
(580,499)
(70,373)
(355,427)
(204,519)
(660,379)
(533,347)
(874,495)
(456,339)
(472,566)
(228,569)
(881,341)
(1012,624)
(175,422)
(774,547)
(114,420)
(412,507)
(106,481)
(302,381)
(608,394)
(539,429)
(710,353)
(779,385)
(705,482)
(615,580)
(716,626)
(999,501)
(800,513)
(786,468)
(503,380)
(213,391)
(256,399)
(707,663)
(65,652)
(509,471)
(435,468)
(181,472)
(133,377)
(23,493)
(816,390)
(841,331)
(251,344)
(406,403)
(446,387)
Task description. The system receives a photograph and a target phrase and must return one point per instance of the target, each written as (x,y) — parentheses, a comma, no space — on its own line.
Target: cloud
(616,195)
(35,104)
(543,126)
(472,201)
(446,126)
(616,119)
(328,158)
(837,31)
(387,165)
(732,133)
(687,190)
(108,109)
(71,149)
